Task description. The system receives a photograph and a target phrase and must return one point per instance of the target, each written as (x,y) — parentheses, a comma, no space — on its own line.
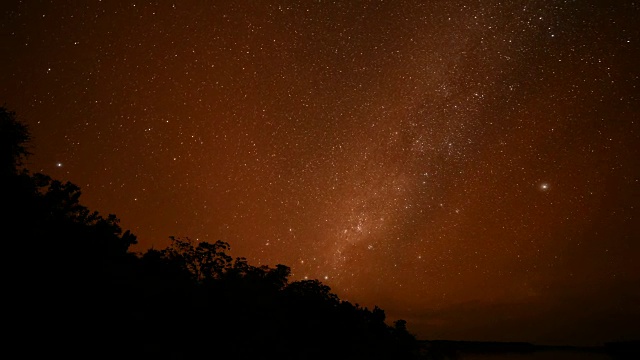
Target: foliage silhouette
(77,291)
(14,137)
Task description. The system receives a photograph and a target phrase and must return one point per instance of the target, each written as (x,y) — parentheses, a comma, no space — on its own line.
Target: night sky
(469,166)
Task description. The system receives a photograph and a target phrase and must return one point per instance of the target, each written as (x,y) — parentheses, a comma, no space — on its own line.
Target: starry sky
(469,166)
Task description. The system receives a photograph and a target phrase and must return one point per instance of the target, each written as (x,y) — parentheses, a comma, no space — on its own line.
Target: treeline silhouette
(74,289)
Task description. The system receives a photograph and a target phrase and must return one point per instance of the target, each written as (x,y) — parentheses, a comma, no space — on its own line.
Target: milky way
(469,166)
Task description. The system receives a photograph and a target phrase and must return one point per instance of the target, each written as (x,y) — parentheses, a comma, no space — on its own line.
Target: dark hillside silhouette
(74,289)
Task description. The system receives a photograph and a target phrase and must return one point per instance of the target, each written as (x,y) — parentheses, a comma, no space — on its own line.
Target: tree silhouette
(77,291)
(14,137)
(205,261)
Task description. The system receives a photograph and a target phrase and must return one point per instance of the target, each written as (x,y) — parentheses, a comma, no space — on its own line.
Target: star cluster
(465,165)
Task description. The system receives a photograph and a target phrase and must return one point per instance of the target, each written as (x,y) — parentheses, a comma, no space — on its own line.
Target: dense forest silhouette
(76,290)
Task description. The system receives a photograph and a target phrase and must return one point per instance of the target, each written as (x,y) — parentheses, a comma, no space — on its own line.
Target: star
(395,148)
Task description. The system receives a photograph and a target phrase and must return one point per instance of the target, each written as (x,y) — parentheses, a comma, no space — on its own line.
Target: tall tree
(14,137)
